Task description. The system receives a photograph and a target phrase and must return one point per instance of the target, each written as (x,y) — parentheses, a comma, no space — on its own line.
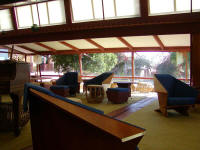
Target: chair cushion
(180,101)
(56,87)
(119,89)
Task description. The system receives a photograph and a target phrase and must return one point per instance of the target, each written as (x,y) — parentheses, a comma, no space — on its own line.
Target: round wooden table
(94,93)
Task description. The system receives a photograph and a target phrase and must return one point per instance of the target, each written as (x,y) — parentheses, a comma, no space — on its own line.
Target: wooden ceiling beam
(125,43)
(45,46)
(160,43)
(95,44)
(123,49)
(29,49)
(70,46)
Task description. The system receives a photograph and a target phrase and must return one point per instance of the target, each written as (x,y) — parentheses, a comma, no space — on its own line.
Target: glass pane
(174,63)
(35,14)
(82,10)
(127,7)
(95,64)
(57,16)
(98,12)
(109,11)
(42,7)
(161,6)
(183,5)
(24,16)
(196,5)
(5,20)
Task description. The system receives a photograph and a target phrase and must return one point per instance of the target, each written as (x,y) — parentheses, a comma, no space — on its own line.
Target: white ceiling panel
(34,47)
(141,41)
(81,44)
(109,42)
(56,45)
(175,40)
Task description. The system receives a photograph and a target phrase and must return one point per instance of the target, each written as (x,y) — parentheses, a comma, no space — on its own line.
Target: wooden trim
(144,7)
(95,44)
(45,46)
(6,47)
(125,42)
(160,43)
(122,49)
(70,46)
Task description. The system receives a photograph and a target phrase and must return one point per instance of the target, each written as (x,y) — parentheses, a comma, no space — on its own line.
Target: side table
(94,93)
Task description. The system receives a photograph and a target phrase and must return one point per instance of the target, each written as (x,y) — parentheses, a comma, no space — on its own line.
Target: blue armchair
(71,80)
(173,94)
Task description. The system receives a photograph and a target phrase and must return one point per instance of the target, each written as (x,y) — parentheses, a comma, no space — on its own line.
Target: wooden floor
(127,110)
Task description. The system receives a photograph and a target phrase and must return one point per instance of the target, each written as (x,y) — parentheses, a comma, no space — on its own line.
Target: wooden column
(80,63)
(195,60)
(132,65)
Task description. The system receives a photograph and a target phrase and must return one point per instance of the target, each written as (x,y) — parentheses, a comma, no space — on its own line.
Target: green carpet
(176,132)
(107,106)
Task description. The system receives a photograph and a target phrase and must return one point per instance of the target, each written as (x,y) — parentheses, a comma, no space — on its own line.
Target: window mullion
(92,3)
(48,12)
(174,5)
(115,9)
(32,14)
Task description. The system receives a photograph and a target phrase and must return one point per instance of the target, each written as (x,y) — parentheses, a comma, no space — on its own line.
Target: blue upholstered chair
(71,80)
(173,94)
(104,78)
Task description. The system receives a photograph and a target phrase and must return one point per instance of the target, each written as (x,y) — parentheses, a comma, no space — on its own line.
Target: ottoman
(118,95)
(62,90)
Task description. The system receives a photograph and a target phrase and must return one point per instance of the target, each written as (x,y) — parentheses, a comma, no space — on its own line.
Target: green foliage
(140,63)
(99,63)
(64,63)
(95,63)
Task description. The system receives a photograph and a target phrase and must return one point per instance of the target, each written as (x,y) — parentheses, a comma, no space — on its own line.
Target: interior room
(102,73)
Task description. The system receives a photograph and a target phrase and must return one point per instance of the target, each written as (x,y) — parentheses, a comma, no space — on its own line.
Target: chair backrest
(69,78)
(173,86)
(100,79)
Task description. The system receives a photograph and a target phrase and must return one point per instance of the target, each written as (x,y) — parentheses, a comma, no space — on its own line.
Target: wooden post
(80,64)
(132,65)
(195,63)
(11,54)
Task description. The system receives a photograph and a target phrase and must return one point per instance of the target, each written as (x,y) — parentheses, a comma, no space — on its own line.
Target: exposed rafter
(45,46)
(160,43)
(70,46)
(28,49)
(125,43)
(95,44)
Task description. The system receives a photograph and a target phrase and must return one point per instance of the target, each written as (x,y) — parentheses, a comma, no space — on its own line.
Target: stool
(62,90)
(96,93)
(118,95)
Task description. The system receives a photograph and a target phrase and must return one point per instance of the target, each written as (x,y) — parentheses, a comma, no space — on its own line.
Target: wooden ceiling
(66,36)
(175,42)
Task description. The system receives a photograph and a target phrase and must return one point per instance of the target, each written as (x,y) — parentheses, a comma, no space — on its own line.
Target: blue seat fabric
(55,87)
(119,89)
(179,93)
(27,86)
(99,79)
(70,79)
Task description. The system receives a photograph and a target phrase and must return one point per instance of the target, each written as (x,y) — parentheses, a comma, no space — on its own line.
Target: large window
(146,64)
(42,14)
(173,6)
(5,20)
(103,9)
